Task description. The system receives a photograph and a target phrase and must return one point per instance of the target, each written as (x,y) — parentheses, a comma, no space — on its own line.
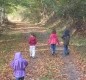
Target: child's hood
(19,61)
(18,55)
(32,38)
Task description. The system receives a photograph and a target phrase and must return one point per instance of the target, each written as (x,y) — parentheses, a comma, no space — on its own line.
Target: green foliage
(78,41)
(8,5)
(32,10)
(35,9)
(72,8)
(80,44)
(50,3)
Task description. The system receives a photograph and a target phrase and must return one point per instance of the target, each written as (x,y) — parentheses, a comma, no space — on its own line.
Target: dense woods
(44,12)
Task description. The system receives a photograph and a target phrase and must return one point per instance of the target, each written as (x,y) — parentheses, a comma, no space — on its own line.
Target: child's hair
(54,31)
(33,34)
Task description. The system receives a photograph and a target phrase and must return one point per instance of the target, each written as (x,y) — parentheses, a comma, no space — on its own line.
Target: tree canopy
(36,9)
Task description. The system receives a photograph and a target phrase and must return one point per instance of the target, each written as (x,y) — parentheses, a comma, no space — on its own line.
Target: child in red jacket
(53,40)
(32,42)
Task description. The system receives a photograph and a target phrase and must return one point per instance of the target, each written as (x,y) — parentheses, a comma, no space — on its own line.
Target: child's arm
(36,40)
(49,39)
(58,40)
(26,63)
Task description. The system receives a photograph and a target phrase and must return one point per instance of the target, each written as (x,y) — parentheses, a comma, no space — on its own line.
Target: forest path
(45,66)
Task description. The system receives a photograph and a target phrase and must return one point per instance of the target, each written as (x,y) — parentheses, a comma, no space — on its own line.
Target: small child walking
(32,43)
(53,40)
(18,65)
(66,39)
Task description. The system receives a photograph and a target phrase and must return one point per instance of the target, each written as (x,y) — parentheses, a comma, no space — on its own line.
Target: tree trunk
(1,16)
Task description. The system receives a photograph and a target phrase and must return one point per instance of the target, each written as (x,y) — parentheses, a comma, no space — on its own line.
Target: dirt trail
(45,66)
(70,68)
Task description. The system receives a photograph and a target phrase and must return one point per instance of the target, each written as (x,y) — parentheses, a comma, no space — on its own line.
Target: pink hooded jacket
(53,39)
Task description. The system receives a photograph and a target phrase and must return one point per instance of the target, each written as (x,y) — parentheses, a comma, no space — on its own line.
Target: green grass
(10,37)
(80,43)
(9,44)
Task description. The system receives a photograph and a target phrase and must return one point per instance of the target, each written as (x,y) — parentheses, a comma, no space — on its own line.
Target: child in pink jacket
(53,40)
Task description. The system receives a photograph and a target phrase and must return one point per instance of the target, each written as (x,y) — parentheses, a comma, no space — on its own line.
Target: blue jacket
(66,37)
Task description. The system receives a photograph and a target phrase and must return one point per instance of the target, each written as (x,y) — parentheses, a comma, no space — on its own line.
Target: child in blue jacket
(66,39)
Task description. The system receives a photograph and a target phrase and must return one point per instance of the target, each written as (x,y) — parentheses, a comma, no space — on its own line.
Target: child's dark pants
(21,78)
(66,50)
(53,48)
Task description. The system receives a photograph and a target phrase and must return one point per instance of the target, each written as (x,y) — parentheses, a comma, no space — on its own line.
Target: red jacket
(32,40)
(53,39)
